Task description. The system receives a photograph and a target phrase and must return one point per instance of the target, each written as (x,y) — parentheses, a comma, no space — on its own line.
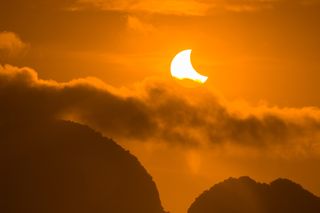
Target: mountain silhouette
(64,167)
(244,195)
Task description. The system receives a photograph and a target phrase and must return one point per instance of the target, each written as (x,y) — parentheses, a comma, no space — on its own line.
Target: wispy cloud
(176,7)
(137,25)
(184,7)
(11,44)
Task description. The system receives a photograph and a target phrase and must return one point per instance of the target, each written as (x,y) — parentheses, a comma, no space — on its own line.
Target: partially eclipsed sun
(181,68)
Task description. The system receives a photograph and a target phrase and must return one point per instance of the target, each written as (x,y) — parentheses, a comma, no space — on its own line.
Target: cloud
(177,7)
(157,110)
(185,7)
(35,5)
(11,44)
(166,7)
(137,25)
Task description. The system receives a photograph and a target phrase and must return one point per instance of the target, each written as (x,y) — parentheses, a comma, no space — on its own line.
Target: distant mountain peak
(245,195)
(59,166)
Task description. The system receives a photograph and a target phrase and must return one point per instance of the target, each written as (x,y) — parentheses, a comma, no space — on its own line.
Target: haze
(106,64)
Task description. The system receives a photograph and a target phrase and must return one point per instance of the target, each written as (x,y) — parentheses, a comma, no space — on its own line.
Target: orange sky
(262,59)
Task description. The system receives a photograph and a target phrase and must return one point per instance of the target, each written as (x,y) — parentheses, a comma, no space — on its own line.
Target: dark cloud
(156,110)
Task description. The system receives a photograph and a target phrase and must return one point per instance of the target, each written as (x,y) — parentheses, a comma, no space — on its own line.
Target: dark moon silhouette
(244,195)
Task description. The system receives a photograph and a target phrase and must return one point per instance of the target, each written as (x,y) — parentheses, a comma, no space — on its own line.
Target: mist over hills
(59,166)
(244,195)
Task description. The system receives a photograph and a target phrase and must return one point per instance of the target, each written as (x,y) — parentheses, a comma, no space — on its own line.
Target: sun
(181,68)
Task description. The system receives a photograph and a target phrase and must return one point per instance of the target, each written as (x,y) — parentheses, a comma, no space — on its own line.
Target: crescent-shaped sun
(181,68)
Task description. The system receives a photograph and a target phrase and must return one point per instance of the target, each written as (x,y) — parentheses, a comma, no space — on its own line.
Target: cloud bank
(157,110)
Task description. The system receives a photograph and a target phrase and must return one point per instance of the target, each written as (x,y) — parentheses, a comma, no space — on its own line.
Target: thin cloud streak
(181,7)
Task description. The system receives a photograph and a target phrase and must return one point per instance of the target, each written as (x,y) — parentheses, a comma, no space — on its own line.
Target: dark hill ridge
(64,167)
(244,195)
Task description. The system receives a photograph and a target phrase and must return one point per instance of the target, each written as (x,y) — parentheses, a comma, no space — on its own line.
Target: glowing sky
(258,114)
